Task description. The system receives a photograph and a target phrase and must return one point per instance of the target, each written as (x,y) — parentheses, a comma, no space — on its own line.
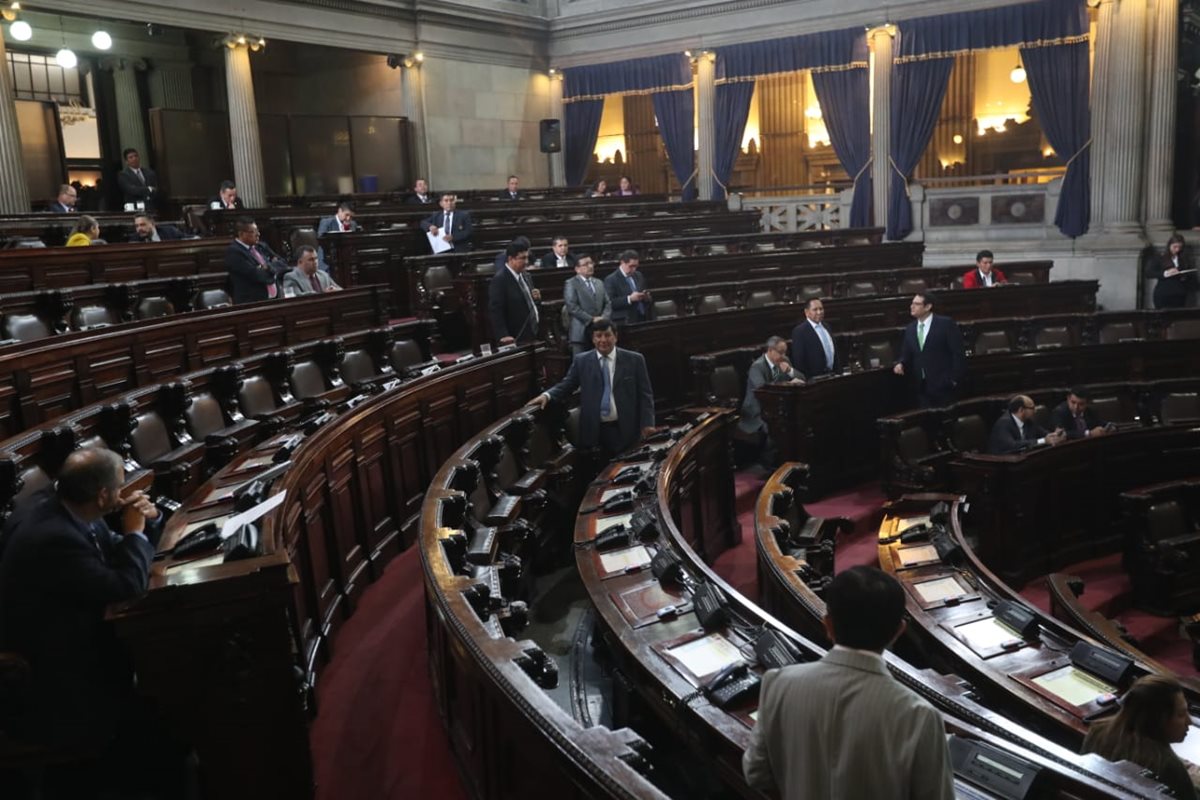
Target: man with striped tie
(584,302)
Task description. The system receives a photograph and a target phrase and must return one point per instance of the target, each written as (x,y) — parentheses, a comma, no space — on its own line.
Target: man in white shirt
(843,727)
(1016,430)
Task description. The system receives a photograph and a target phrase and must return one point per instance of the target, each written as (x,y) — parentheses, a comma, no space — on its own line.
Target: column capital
(119,63)
(887,29)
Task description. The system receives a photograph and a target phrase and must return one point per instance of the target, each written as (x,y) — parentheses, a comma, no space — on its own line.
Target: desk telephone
(618,503)
(732,685)
(640,526)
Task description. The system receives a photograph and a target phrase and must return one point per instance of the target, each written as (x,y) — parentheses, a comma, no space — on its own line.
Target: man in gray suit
(773,367)
(584,303)
(616,401)
(843,727)
(306,278)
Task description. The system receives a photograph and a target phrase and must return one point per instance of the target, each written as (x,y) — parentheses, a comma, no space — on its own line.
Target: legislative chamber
(505,398)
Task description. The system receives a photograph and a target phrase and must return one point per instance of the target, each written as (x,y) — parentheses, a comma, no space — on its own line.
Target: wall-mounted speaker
(551,135)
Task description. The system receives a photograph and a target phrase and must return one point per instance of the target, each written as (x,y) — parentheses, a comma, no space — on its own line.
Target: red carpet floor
(378,735)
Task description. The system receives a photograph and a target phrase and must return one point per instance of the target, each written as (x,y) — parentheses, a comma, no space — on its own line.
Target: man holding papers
(448,229)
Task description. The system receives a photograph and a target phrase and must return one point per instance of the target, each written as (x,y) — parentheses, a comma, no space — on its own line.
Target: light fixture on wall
(957,138)
(9,12)
(101,40)
(1018,73)
(21,31)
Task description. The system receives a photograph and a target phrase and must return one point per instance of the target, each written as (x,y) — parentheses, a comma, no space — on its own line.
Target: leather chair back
(32,480)
(25,328)
(726,385)
(405,353)
(154,306)
(913,443)
(204,416)
(307,380)
(969,434)
(357,367)
(665,309)
(256,397)
(1021,276)
(1165,521)
(212,298)
(1179,406)
(760,298)
(912,286)
(1053,336)
(1184,329)
(862,289)
(880,351)
(992,342)
(84,317)
(150,439)
(1117,332)
(711,304)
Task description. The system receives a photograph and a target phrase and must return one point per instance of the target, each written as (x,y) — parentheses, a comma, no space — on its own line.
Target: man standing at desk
(585,303)
(451,225)
(138,184)
(512,301)
(843,727)
(616,404)
(812,344)
(626,289)
(932,354)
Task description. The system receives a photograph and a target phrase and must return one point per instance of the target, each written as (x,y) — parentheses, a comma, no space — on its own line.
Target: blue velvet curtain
(581,125)
(845,97)
(657,73)
(675,112)
(917,91)
(731,109)
(1058,80)
(1044,21)
(791,54)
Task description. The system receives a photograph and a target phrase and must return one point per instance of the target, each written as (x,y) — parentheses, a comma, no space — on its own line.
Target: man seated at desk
(305,278)
(984,275)
(1016,431)
(773,367)
(1075,418)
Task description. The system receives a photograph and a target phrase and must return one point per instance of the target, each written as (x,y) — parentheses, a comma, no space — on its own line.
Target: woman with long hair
(1153,716)
(1174,278)
(84,232)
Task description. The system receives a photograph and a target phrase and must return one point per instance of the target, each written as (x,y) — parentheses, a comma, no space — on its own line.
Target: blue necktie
(641,307)
(606,399)
(826,344)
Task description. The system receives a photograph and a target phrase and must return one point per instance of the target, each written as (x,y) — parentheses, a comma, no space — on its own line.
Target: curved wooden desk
(649,648)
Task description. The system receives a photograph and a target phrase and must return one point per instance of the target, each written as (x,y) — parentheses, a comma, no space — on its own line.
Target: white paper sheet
(249,515)
(986,633)
(621,560)
(920,554)
(707,654)
(437,243)
(939,589)
(604,523)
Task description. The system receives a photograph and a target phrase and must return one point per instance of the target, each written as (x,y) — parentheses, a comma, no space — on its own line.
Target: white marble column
(880,40)
(1099,105)
(14,192)
(243,128)
(706,69)
(413,108)
(1160,119)
(558,163)
(131,125)
(171,86)
(1124,119)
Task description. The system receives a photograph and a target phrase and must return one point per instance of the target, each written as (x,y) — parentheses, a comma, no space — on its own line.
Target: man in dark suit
(773,367)
(559,257)
(1075,418)
(984,275)
(1016,431)
(62,566)
(342,221)
(252,266)
(420,194)
(626,289)
(932,354)
(227,198)
(512,301)
(584,303)
(512,192)
(144,230)
(138,184)
(502,256)
(813,351)
(616,404)
(64,203)
(453,226)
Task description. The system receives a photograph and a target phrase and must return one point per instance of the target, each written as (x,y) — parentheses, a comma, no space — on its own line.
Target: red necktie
(316,284)
(345,226)
(271,289)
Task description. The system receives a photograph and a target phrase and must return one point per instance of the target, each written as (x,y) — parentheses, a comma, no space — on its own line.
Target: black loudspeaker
(551,135)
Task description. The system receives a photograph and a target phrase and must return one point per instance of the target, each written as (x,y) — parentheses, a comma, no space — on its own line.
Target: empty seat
(665,309)
(437,279)
(204,416)
(1184,329)
(711,304)
(84,317)
(969,434)
(212,298)
(1166,521)
(32,480)
(992,342)
(811,291)
(405,353)
(879,354)
(1021,276)
(1117,332)
(357,367)
(150,439)
(913,443)
(156,306)
(912,286)
(307,380)
(1054,336)
(302,237)
(862,289)
(760,298)
(25,328)
(256,397)
(1109,409)
(726,386)
(1179,406)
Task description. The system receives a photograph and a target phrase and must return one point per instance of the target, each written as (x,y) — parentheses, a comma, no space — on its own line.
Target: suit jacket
(58,208)
(508,308)
(974,279)
(218,203)
(507,195)
(1172,292)
(550,261)
(943,361)
(56,578)
(581,304)
(1062,417)
(758,375)
(331,225)
(624,312)
(631,393)
(843,728)
(248,280)
(136,190)
(166,233)
(461,234)
(1006,437)
(299,283)
(415,200)
(807,354)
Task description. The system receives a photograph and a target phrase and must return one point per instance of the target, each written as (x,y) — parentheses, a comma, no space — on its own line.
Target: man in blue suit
(626,289)
(932,354)
(451,225)
(616,407)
